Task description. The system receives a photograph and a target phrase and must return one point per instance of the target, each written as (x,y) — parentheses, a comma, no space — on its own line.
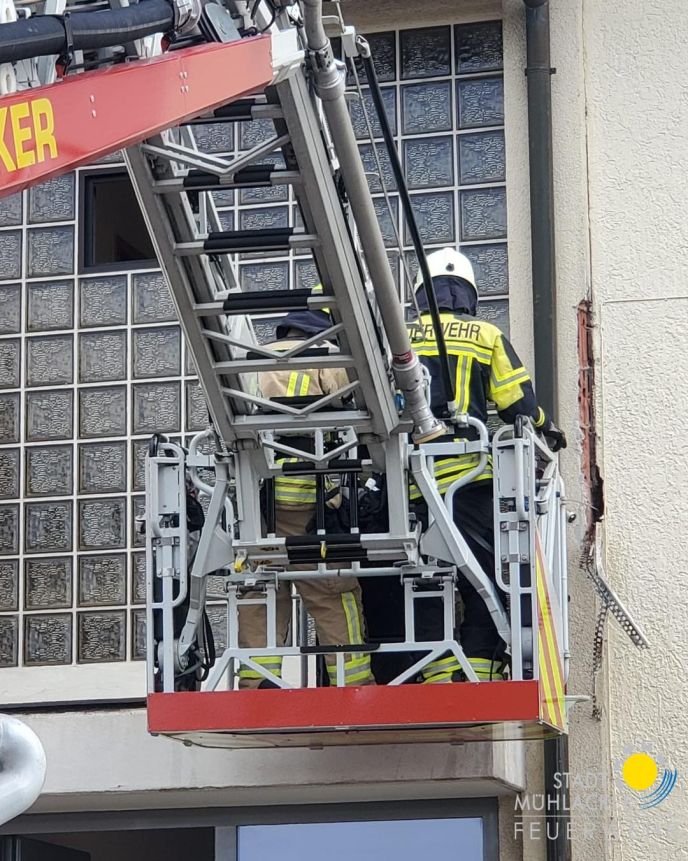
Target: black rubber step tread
(275,239)
(300,401)
(330,538)
(305,467)
(308,556)
(253,176)
(239,110)
(268,300)
(234,112)
(249,235)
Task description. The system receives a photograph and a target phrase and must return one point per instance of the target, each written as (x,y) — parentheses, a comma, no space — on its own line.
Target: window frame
(86,225)
(227,821)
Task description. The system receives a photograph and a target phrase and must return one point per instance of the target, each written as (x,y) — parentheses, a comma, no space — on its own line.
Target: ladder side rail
(551,524)
(336,256)
(222,268)
(183,281)
(210,221)
(514,526)
(330,86)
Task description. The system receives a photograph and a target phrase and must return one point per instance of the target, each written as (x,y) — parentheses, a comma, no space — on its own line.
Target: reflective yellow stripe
(429,349)
(355,670)
(357,666)
(521,377)
(295,489)
(445,478)
(353,622)
(463,382)
(439,679)
(486,669)
(442,667)
(272,663)
(292,383)
(302,493)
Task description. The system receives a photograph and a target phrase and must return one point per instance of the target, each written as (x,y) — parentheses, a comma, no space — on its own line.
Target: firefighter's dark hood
(308,322)
(453,294)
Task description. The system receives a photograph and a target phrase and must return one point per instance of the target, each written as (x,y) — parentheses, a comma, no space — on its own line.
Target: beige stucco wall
(622,65)
(638,145)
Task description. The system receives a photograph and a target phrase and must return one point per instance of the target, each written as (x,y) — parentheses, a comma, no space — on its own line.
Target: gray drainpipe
(539,71)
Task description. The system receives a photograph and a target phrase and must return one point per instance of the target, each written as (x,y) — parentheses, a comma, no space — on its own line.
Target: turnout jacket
(486,369)
(298,491)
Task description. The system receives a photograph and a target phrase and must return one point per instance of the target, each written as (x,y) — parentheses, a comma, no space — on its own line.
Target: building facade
(92,362)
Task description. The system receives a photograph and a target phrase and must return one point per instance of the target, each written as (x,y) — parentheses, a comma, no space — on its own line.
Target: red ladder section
(51,130)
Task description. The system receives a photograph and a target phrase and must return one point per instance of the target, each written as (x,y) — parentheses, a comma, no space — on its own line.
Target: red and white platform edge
(318,717)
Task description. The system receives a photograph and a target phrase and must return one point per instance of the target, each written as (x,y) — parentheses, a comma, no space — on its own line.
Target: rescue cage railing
(233,549)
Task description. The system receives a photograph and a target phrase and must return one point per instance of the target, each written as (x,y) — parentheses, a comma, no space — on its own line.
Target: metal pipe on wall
(539,72)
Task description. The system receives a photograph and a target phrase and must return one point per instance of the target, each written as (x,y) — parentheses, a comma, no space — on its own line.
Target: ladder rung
(216,309)
(255,366)
(255,175)
(247,241)
(198,180)
(312,540)
(243,110)
(240,237)
(258,175)
(357,419)
(296,401)
(269,301)
(334,547)
(330,649)
(248,109)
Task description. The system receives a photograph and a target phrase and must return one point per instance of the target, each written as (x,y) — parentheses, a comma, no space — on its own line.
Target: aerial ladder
(271,62)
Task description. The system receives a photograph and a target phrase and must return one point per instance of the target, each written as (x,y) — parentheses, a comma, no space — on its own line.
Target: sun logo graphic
(648,778)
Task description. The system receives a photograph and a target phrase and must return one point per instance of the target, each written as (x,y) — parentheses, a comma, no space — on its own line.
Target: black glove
(556,439)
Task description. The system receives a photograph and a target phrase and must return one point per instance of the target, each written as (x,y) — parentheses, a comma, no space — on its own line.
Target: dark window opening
(114,233)
(181,844)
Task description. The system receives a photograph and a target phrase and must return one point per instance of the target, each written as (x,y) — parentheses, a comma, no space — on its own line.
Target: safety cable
(376,93)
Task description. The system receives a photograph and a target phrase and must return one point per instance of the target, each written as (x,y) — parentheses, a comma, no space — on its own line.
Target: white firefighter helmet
(448,261)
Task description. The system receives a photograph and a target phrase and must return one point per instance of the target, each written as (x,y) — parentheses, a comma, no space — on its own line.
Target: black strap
(67,56)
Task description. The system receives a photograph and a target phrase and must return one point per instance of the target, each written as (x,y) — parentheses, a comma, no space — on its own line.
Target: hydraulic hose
(411,223)
(45,35)
(330,87)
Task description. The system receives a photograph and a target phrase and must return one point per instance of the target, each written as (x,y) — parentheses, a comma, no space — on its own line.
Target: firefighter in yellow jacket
(334,602)
(485,368)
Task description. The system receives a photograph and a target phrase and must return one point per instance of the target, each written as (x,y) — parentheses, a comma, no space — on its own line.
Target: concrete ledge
(106,760)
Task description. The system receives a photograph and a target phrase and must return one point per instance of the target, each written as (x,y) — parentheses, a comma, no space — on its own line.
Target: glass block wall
(92,363)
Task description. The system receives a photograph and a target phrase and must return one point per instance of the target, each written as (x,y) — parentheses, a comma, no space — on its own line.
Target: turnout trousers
(335,604)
